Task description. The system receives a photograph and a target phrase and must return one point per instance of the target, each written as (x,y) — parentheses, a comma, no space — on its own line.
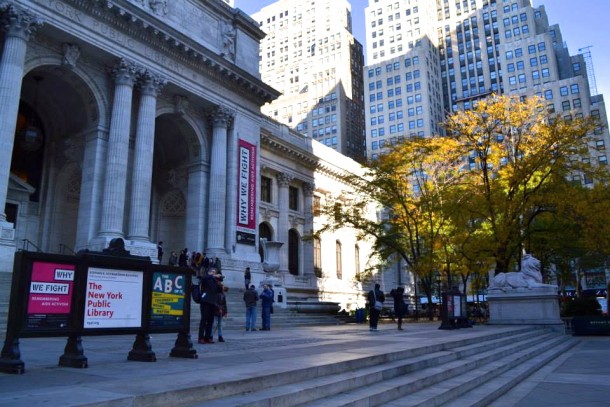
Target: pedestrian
(375,299)
(266,304)
(206,262)
(160,251)
(247,277)
(209,291)
(183,258)
(251,298)
(221,310)
(217,265)
(400,308)
(173,258)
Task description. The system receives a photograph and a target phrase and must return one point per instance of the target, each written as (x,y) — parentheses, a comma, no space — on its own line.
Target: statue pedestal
(525,306)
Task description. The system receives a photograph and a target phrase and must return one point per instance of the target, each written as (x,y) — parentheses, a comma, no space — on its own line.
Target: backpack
(196,293)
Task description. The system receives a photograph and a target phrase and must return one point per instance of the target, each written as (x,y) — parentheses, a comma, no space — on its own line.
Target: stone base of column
(7,246)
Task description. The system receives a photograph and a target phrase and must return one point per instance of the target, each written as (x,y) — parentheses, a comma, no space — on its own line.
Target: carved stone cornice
(135,23)
(304,158)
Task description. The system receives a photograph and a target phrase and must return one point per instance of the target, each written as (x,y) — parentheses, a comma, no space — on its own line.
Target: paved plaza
(581,376)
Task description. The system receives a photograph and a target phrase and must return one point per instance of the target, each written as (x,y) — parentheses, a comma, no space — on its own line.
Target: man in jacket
(251,298)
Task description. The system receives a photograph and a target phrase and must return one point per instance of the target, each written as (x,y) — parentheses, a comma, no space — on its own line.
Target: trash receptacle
(360,315)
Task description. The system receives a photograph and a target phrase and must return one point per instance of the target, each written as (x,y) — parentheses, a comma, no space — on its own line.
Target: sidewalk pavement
(579,377)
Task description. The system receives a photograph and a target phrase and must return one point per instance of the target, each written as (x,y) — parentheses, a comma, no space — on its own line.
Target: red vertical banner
(246,193)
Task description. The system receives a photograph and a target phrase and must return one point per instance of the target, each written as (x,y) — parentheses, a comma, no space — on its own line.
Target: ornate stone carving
(177,178)
(180,105)
(71,52)
(18,22)
(173,204)
(221,116)
(284,179)
(73,149)
(124,72)
(308,188)
(228,35)
(150,83)
(158,7)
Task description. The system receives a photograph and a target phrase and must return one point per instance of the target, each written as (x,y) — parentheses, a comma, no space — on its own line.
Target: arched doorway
(174,140)
(57,106)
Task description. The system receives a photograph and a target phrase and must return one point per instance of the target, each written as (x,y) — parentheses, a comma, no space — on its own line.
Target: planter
(594,325)
(311,307)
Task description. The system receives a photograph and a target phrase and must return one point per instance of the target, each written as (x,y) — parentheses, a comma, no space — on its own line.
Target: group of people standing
(376,298)
(251,297)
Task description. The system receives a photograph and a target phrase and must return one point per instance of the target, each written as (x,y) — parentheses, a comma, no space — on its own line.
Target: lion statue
(529,276)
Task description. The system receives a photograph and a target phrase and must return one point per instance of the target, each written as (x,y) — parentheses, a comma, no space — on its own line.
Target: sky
(583,23)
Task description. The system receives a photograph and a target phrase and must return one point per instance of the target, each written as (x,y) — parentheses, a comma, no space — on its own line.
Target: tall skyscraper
(311,56)
(426,59)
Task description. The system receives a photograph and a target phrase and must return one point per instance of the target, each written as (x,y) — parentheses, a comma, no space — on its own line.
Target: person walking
(251,298)
(247,277)
(209,291)
(221,310)
(266,304)
(375,299)
(400,308)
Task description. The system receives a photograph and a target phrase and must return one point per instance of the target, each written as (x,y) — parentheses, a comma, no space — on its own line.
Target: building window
(266,189)
(293,252)
(316,207)
(338,259)
(293,198)
(317,257)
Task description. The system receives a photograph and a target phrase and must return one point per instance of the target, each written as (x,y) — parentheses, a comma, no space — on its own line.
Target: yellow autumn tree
(516,154)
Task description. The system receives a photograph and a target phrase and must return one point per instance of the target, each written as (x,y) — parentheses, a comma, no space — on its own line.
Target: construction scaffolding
(586,53)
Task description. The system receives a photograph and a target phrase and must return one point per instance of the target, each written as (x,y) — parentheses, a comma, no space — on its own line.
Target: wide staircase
(467,372)
(281,317)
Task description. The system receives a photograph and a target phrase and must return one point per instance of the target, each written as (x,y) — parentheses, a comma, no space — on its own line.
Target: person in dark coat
(209,295)
(400,308)
(374,295)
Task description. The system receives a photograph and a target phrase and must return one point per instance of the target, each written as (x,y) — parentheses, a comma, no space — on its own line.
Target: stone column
(139,208)
(217,196)
(283,181)
(18,26)
(231,218)
(308,189)
(113,203)
(91,186)
(196,207)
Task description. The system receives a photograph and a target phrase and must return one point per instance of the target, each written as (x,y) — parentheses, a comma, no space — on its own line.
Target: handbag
(378,304)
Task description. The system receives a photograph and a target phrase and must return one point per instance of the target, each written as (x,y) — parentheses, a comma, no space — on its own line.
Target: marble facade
(138,109)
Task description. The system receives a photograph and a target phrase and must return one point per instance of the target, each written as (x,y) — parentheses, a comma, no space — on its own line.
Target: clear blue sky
(583,23)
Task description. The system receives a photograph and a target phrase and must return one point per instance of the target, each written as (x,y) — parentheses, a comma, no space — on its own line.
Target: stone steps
(431,376)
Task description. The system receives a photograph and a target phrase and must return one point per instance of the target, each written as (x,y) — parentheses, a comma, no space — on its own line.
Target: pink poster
(246,193)
(51,288)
